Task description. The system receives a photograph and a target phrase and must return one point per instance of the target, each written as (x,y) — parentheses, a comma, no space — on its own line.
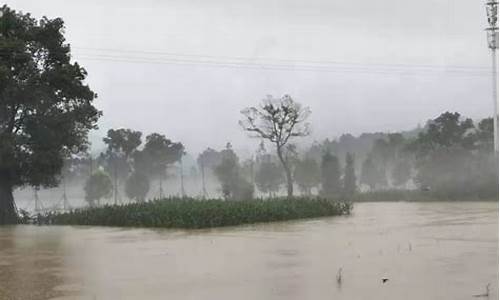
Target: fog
(306,148)
(186,68)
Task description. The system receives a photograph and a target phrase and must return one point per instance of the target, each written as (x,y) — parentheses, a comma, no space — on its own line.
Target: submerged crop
(193,213)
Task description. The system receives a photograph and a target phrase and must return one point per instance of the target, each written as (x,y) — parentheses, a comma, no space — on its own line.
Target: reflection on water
(426,250)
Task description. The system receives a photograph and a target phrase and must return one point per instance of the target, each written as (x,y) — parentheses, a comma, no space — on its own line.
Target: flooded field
(426,250)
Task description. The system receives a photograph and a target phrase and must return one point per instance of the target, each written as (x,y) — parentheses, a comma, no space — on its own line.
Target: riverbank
(190,213)
(419,196)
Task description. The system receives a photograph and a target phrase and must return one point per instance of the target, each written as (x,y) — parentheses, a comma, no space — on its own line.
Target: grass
(192,213)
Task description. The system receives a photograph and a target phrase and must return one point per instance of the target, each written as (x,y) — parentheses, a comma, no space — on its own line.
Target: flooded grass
(193,213)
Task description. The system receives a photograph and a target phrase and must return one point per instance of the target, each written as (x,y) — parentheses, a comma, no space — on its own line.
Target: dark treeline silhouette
(46,108)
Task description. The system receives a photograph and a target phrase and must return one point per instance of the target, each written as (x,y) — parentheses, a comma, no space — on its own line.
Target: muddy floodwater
(426,250)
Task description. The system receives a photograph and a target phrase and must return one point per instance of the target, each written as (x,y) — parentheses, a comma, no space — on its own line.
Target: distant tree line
(47,110)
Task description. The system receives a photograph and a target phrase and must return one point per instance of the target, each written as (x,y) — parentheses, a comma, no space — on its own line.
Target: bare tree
(278,120)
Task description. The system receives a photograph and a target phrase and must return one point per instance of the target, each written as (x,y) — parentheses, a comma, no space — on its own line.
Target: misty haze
(249,150)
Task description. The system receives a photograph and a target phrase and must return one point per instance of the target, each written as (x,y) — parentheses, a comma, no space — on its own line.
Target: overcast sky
(186,68)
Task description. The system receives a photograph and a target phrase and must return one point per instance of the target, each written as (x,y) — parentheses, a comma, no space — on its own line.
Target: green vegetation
(234,186)
(46,107)
(192,213)
(47,111)
(278,121)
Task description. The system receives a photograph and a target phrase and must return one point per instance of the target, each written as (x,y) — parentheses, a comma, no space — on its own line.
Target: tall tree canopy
(158,154)
(234,186)
(117,158)
(46,109)
(278,121)
(98,186)
(452,157)
(124,141)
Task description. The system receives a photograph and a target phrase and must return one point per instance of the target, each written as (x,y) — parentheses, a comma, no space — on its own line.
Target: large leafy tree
(484,135)
(447,160)
(46,109)
(158,154)
(121,143)
(278,121)
(96,187)
(234,186)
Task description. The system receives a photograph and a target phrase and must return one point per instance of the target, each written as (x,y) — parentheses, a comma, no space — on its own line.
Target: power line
(325,67)
(271,60)
(260,63)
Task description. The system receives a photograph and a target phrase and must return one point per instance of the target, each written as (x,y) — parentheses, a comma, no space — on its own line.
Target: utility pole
(492,37)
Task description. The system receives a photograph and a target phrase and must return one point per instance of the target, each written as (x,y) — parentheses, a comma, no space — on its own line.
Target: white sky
(398,62)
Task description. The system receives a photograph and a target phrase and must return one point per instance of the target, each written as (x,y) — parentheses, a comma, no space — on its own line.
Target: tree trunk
(288,173)
(8,214)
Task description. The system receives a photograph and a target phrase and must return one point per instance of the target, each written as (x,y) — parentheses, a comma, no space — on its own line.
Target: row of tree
(450,156)
(123,161)
(449,153)
(265,172)
(47,110)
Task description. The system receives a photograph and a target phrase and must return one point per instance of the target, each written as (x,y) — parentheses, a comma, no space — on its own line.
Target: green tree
(46,108)
(307,174)
(98,186)
(233,184)
(121,143)
(330,175)
(484,135)
(158,154)
(278,120)
(349,181)
(446,158)
(137,186)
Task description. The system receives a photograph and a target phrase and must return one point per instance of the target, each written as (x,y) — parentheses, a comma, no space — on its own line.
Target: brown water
(427,250)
